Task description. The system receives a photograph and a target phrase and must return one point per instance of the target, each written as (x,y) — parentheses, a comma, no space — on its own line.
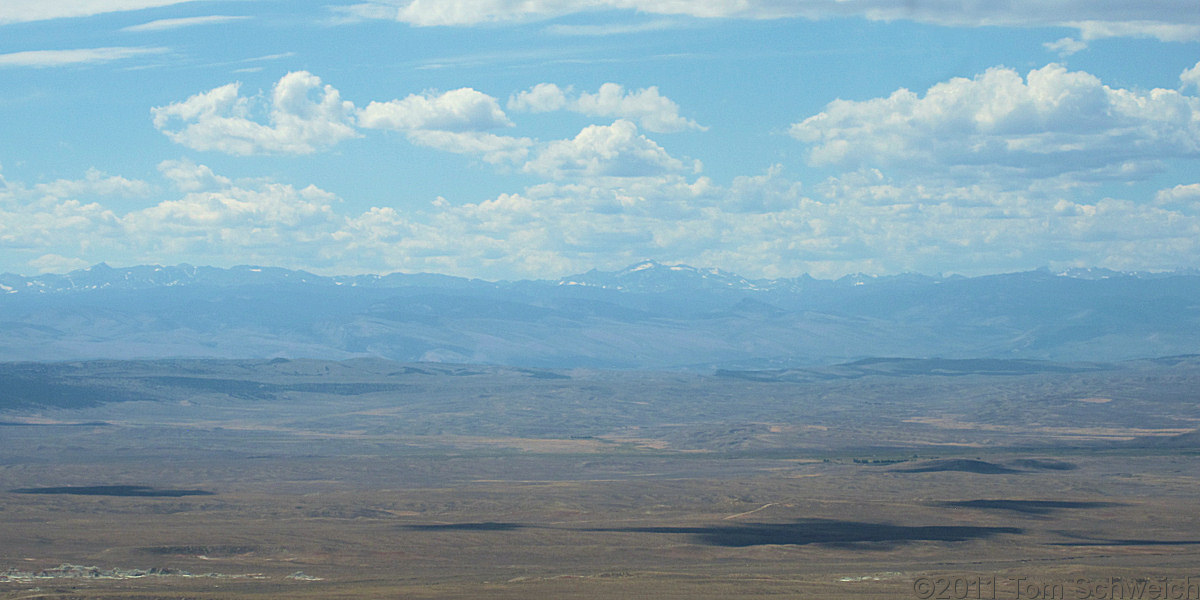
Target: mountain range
(648,315)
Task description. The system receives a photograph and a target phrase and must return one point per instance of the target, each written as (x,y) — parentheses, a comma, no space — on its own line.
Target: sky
(533,139)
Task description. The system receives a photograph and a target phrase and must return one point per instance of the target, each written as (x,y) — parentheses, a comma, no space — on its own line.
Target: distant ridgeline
(648,315)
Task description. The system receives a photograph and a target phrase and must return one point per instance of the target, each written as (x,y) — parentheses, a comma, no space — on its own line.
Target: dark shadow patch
(1044,464)
(1130,543)
(539,374)
(19,391)
(910,367)
(140,491)
(964,465)
(237,388)
(1029,507)
(199,550)
(88,424)
(257,390)
(967,366)
(822,531)
(1189,440)
(775,376)
(477,526)
(409,371)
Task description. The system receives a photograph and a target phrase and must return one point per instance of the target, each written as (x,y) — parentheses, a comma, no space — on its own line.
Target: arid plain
(372,479)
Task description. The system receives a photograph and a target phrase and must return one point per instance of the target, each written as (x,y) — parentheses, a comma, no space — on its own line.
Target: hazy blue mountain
(648,315)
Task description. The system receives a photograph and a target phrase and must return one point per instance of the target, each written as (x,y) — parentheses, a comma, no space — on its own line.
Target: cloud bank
(760,225)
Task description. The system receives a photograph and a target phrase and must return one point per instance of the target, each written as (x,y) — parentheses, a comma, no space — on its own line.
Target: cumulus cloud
(463,109)
(302,117)
(1185,197)
(457,121)
(94,183)
(34,219)
(493,149)
(543,97)
(62,58)
(261,211)
(191,177)
(651,110)
(766,193)
(1052,123)
(211,219)
(1066,46)
(265,223)
(45,216)
(1173,20)
(616,150)
(1191,77)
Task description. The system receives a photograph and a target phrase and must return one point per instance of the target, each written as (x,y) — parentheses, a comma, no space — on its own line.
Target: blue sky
(508,139)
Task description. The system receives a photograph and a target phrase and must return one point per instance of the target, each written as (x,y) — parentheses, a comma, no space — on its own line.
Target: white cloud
(1171,20)
(1184,197)
(191,177)
(458,12)
(47,216)
(612,29)
(651,110)
(62,58)
(998,126)
(463,109)
(456,121)
(599,151)
(44,217)
(493,149)
(302,117)
(1066,46)
(543,97)
(165,24)
(19,11)
(94,183)
(766,193)
(1147,27)
(54,263)
(1191,78)
(261,211)
(214,220)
